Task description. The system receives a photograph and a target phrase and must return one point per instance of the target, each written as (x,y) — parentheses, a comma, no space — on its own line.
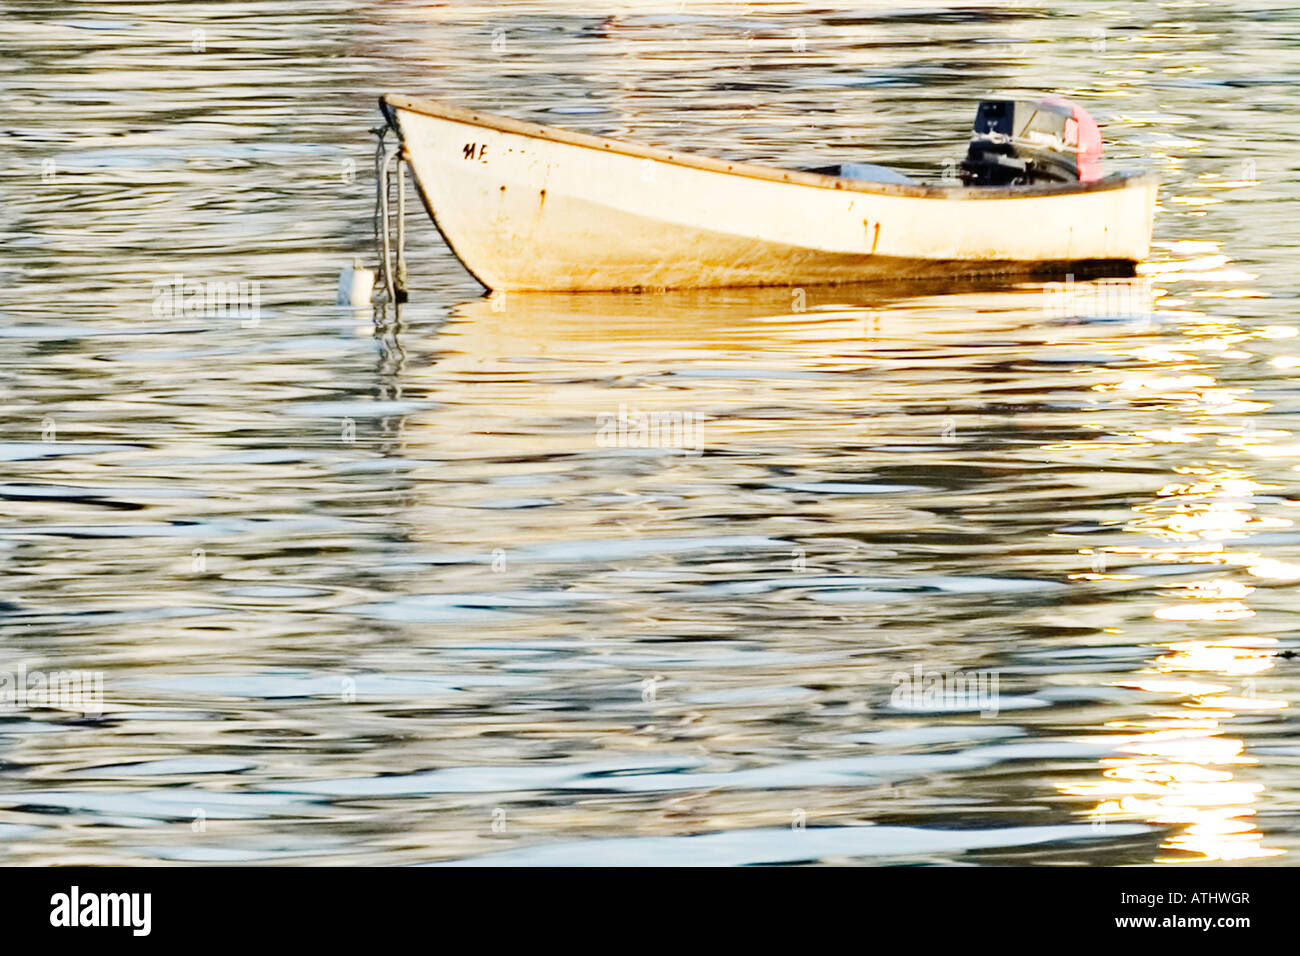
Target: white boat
(527,207)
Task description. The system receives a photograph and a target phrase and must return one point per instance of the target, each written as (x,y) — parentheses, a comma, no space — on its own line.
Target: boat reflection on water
(752,383)
(1181,766)
(548,365)
(823,380)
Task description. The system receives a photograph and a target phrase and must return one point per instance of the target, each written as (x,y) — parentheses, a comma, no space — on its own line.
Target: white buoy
(356,284)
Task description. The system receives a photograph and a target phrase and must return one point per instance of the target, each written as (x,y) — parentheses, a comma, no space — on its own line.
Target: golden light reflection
(1176,767)
(1221,611)
(1273,569)
(1179,765)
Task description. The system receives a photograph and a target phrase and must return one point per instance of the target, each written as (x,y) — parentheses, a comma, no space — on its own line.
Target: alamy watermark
(630,428)
(946,690)
(235,299)
(1107,298)
(133,911)
(80,691)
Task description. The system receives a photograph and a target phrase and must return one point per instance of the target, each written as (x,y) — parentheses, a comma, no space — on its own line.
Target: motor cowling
(1023,142)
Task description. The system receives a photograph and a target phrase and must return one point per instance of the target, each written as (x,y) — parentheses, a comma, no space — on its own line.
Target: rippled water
(383,593)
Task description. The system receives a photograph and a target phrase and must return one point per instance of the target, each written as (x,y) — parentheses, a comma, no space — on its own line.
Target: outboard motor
(1023,142)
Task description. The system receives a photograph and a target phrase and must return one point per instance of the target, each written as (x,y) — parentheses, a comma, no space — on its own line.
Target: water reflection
(1180,766)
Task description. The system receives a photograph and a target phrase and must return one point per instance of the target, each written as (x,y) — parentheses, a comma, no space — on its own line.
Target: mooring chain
(394,278)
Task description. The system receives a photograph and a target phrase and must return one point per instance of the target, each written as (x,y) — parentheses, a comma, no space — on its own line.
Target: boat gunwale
(428,107)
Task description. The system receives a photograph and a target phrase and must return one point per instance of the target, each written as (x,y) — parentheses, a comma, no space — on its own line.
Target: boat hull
(532,208)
